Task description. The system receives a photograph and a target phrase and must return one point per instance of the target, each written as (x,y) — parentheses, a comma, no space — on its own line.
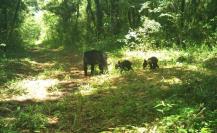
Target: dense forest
(155,66)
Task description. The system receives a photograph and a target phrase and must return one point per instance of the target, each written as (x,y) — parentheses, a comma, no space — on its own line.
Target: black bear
(152,62)
(92,58)
(124,65)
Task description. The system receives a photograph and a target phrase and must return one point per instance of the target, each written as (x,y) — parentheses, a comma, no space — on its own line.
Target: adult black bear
(92,58)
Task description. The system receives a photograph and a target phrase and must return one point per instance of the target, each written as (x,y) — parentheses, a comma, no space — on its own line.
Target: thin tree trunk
(14,20)
(90,15)
(4,28)
(181,24)
(77,14)
(99,17)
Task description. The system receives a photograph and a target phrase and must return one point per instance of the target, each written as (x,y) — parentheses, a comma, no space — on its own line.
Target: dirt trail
(59,74)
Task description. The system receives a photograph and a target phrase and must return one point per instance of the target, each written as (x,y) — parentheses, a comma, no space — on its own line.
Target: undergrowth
(180,96)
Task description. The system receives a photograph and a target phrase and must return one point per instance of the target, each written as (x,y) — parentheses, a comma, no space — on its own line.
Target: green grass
(178,97)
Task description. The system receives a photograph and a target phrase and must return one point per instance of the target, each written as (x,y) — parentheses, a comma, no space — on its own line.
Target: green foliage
(163,107)
(180,96)
(177,97)
(186,58)
(5,127)
(31,121)
(142,36)
(28,119)
(30,30)
(76,23)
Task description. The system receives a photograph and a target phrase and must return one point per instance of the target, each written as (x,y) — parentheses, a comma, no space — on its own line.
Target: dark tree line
(9,18)
(96,20)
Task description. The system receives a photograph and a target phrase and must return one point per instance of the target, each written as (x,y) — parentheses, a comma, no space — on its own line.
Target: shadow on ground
(211,63)
(126,100)
(32,62)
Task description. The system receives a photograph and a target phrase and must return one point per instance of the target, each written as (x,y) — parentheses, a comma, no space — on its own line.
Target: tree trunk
(181,25)
(4,28)
(10,32)
(99,18)
(114,17)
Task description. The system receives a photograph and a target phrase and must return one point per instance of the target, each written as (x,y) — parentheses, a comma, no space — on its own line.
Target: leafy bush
(141,37)
(32,119)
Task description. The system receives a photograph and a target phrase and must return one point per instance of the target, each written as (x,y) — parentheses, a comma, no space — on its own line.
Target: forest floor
(46,91)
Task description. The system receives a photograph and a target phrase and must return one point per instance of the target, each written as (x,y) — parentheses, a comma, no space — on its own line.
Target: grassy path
(41,70)
(47,91)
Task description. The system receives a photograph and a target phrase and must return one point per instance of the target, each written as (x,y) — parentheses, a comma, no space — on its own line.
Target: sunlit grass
(37,64)
(53,120)
(104,82)
(161,100)
(34,89)
(130,129)
(173,80)
(172,77)
(96,83)
(165,55)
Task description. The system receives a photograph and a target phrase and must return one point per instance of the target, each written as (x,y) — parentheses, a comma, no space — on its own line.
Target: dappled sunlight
(108,66)
(53,120)
(161,55)
(87,90)
(130,54)
(112,102)
(109,82)
(55,73)
(184,67)
(133,129)
(172,81)
(100,79)
(37,64)
(8,119)
(93,84)
(35,89)
(185,70)
(38,17)
(191,67)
